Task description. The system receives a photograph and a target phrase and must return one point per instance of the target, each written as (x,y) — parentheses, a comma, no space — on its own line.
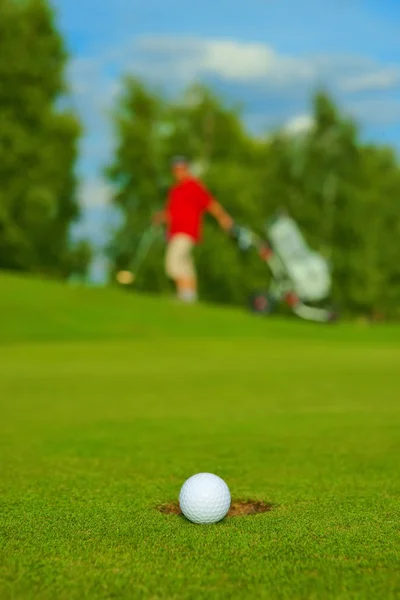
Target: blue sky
(266,54)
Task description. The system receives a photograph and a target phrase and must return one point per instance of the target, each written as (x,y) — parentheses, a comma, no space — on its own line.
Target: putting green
(108,402)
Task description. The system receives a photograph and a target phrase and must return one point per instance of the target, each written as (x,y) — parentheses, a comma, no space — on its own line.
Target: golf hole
(240,508)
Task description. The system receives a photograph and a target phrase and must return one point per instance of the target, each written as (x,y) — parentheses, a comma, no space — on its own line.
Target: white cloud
(190,58)
(383,79)
(298,124)
(236,62)
(176,61)
(94,192)
(187,58)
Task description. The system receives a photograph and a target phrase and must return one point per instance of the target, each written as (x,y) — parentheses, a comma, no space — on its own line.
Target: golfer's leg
(187,282)
(180,267)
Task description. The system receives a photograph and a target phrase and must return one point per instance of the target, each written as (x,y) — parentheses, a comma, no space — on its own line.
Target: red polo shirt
(187,202)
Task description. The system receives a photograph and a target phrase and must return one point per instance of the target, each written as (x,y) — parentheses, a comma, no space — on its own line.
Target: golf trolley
(300,277)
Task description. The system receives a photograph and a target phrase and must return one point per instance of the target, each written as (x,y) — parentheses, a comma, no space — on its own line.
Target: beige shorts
(179,262)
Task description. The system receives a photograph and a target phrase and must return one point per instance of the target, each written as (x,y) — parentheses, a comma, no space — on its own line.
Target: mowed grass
(108,402)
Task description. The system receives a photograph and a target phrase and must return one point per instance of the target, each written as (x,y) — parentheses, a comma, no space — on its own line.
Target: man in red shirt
(188,201)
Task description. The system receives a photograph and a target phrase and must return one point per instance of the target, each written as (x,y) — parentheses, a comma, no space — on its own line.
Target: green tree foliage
(138,174)
(38,143)
(343,193)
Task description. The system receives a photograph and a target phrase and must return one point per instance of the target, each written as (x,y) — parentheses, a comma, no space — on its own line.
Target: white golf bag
(300,276)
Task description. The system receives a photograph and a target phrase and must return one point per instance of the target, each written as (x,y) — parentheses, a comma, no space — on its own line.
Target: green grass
(108,402)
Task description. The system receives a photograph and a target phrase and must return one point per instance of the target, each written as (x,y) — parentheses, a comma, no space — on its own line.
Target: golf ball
(205,498)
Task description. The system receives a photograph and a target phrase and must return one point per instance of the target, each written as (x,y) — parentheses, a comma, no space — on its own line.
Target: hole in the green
(239,508)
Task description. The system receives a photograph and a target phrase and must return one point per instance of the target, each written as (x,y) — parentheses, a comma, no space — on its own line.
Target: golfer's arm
(220,214)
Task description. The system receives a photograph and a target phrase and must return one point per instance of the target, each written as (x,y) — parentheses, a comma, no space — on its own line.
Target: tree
(378,258)
(137,173)
(38,142)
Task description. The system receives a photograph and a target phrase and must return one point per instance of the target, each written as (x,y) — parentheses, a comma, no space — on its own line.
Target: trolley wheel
(262,303)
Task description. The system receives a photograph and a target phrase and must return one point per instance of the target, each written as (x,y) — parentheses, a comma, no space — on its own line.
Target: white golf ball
(205,498)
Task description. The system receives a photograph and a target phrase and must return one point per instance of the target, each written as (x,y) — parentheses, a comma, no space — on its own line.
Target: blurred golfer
(188,200)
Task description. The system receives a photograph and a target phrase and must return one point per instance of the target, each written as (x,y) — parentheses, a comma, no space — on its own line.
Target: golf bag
(300,276)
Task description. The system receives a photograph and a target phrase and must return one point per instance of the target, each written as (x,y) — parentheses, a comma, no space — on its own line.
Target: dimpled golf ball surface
(205,498)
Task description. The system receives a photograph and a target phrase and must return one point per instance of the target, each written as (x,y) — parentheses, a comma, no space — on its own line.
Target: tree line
(344,193)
